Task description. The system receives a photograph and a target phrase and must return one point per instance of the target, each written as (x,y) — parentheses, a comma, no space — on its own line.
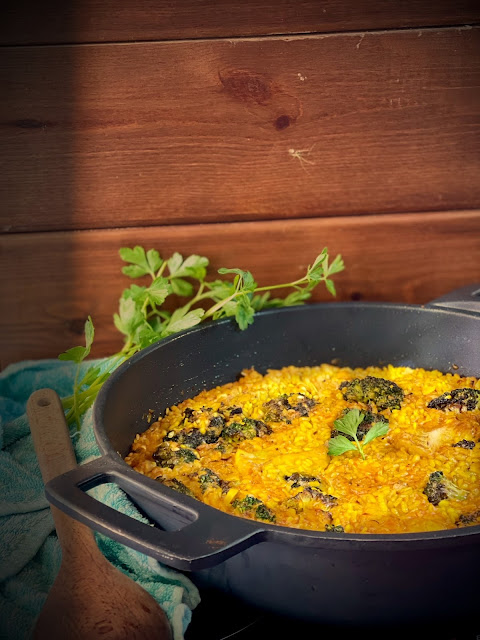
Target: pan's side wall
(383,587)
(248,132)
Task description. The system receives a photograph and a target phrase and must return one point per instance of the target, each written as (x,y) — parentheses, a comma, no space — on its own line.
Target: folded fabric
(30,554)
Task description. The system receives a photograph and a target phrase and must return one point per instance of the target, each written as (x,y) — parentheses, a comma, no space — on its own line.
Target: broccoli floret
(254,507)
(244,505)
(246,430)
(214,430)
(192,415)
(190,437)
(458,399)
(300,480)
(186,455)
(369,419)
(277,409)
(193,438)
(385,394)
(466,520)
(165,456)
(217,422)
(189,414)
(301,404)
(312,490)
(178,486)
(309,495)
(237,431)
(336,528)
(439,488)
(225,448)
(261,428)
(288,406)
(465,444)
(263,513)
(211,479)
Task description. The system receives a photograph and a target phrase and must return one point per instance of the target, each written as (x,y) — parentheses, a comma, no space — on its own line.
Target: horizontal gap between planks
(400,215)
(274,36)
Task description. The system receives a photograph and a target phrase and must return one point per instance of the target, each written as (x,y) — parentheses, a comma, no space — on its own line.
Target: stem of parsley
(144,319)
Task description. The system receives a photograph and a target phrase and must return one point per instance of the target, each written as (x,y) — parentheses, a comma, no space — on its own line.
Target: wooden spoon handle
(90,598)
(51,438)
(53,446)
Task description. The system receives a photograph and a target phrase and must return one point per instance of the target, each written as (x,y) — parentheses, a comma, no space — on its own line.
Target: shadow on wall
(37,140)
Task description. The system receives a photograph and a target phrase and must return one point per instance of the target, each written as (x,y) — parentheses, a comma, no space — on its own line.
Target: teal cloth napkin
(30,554)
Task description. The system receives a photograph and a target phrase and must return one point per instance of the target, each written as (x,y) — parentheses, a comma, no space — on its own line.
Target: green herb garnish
(349,425)
(143,318)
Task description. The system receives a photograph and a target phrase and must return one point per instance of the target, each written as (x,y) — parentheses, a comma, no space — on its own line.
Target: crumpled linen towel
(30,554)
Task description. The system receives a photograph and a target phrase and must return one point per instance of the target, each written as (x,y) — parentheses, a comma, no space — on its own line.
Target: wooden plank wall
(252,132)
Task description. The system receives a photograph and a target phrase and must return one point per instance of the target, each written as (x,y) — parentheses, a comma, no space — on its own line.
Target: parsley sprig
(349,424)
(143,317)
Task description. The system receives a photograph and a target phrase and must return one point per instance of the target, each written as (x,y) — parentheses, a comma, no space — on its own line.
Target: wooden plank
(76,21)
(191,132)
(56,279)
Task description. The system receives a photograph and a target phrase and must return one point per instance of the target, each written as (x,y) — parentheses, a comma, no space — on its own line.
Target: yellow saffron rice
(286,469)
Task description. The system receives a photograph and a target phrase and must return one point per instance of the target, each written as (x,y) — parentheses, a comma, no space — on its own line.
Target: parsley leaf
(129,316)
(349,424)
(141,263)
(181,320)
(376,430)
(339,445)
(193,267)
(77,354)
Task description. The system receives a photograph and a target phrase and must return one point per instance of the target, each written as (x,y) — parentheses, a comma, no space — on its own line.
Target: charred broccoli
(471,518)
(244,505)
(190,437)
(300,480)
(312,490)
(336,528)
(288,406)
(211,479)
(214,429)
(178,486)
(458,399)
(385,394)
(189,414)
(465,444)
(253,507)
(234,411)
(308,496)
(263,513)
(165,456)
(439,488)
(246,430)
(193,437)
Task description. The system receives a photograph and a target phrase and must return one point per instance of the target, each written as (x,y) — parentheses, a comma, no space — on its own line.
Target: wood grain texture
(58,278)
(77,21)
(187,132)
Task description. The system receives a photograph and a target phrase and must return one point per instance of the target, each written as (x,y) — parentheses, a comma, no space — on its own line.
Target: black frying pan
(319,576)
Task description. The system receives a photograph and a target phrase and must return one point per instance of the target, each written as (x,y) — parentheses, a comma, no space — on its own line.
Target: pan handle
(464,299)
(209,537)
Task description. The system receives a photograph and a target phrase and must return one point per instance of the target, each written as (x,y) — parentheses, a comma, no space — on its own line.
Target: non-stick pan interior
(350,334)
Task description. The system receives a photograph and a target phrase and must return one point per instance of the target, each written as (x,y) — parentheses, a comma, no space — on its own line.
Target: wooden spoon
(90,598)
